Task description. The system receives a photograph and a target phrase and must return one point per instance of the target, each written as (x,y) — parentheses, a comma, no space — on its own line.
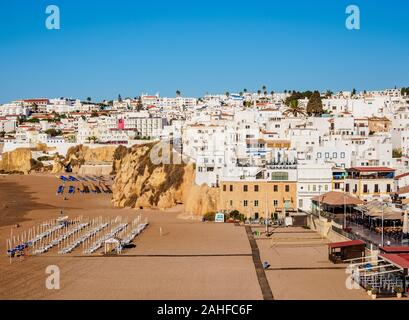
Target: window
(376,188)
(347,187)
(256,203)
(245,188)
(326,187)
(300,203)
(319,155)
(275,203)
(314,188)
(326,155)
(337,185)
(256,188)
(279,176)
(245,203)
(287,188)
(231,203)
(342,155)
(231,188)
(224,187)
(335,155)
(388,188)
(365,188)
(275,188)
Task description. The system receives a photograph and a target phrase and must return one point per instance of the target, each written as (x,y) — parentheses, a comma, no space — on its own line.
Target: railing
(354,236)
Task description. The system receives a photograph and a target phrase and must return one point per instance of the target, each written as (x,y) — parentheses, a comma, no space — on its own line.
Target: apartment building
(370,183)
(270,193)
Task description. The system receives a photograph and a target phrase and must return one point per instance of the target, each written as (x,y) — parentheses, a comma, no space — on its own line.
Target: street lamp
(384,204)
(345,213)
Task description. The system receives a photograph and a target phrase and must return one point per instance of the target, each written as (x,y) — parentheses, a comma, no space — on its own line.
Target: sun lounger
(60,190)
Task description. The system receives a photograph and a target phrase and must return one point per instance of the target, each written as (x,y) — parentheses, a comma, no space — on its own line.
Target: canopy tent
(376,209)
(111,244)
(334,198)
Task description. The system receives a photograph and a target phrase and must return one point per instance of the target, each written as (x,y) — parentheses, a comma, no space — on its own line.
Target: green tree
(397,153)
(294,109)
(139,104)
(53,132)
(314,106)
(89,99)
(328,94)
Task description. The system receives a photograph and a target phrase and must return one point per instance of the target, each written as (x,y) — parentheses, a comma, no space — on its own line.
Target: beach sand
(190,260)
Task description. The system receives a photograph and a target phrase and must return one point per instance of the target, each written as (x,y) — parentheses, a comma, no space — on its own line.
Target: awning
(345,244)
(399,260)
(334,198)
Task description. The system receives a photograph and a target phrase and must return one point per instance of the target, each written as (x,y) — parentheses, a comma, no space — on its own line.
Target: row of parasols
(70,235)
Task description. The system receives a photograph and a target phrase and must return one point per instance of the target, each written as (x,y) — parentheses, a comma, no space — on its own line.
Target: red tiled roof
(400,249)
(36,100)
(345,244)
(400,260)
(372,169)
(402,175)
(403,190)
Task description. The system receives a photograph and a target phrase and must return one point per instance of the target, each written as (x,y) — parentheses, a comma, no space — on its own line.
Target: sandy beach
(190,260)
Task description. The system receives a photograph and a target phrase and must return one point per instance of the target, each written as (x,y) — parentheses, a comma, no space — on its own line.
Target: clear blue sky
(109,47)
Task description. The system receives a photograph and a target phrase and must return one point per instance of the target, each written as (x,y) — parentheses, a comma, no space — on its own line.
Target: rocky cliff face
(79,155)
(18,160)
(140,183)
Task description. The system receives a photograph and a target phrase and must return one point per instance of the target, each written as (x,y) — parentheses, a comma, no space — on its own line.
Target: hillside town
(335,163)
(269,154)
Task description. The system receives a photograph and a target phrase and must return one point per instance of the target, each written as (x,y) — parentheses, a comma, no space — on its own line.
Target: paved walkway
(261,275)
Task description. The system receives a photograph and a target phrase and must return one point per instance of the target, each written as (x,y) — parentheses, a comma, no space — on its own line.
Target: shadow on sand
(15,202)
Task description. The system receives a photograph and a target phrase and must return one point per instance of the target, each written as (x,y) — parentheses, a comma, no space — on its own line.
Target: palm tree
(294,109)
(272,93)
(178,93)
(265,92)
(89,99)
(264,88)
(258,92)
(245,90)
(227,94)
(241,93)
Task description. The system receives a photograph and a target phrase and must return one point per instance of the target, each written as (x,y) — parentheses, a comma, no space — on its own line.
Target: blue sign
(219,217)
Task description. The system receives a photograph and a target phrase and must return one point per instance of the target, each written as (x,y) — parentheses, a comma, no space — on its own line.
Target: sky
(129,47)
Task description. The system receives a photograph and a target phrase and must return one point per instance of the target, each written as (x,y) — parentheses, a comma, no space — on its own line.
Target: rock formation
(140,183)
(80,155)
(18,160)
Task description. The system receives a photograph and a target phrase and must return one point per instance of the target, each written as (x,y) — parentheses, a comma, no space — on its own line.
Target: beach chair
(64,179)
(71,190)
(60,190)
(73,179)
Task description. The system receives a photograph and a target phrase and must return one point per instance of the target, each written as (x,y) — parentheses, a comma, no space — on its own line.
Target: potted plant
(398,291)
(369,290)
(374,292)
